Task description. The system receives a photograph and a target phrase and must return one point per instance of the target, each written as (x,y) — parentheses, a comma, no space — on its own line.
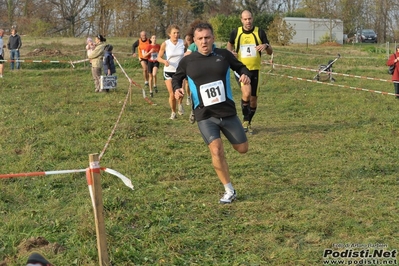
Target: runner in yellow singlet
(247,43)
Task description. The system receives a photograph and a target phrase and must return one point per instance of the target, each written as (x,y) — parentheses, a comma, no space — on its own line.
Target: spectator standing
(208,72)
(2,46)
(14,44)
(141,45)
(392,60)
(97,60)
(247,43)
(173,48)
(108,62)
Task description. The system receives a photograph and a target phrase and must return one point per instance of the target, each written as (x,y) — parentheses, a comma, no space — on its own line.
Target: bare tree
(324,9)
(71,14)
(11,10)
(129,17)
(288,6)
(259,6)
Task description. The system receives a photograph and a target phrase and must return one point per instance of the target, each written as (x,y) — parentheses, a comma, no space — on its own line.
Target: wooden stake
(98,210)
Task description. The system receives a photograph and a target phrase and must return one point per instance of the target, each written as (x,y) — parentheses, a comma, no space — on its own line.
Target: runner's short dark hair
(203,26)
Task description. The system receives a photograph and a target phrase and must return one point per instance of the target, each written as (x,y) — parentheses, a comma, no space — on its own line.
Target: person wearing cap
(89,46)
(36,259)
(97,60)
(393,59)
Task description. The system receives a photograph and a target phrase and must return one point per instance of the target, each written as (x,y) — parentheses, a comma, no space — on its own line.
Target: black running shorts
(230,126)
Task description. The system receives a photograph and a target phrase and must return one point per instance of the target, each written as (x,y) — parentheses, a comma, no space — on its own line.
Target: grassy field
(321,171)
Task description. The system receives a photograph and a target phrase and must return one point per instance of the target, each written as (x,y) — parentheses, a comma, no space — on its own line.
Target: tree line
(126,18)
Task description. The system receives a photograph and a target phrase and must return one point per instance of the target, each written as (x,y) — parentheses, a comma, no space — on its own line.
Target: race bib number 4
(248,50)
(213,93)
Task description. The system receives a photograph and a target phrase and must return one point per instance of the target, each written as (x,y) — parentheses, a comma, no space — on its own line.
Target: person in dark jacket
(14,44)
(393,59)
(108,61)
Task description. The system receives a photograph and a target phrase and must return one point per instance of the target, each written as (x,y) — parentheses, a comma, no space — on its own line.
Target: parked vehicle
(367,35)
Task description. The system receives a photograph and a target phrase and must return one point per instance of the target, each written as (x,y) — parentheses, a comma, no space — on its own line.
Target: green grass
(321,169)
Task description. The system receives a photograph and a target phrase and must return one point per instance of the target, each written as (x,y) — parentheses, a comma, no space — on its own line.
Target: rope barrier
(116,124)
(113,172)
(35,61)
(123,106)
(334,84)
(124,179)
(134,83)
(329,72)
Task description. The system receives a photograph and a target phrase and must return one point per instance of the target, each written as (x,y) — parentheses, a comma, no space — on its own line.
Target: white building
(312,30)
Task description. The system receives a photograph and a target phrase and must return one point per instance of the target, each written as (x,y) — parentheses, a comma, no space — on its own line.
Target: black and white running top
(209,81)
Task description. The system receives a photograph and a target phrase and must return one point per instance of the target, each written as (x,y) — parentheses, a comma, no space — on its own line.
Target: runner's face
(204,39)
(153,39)
(174,34)
(143,36)
(188,39)
(246,20)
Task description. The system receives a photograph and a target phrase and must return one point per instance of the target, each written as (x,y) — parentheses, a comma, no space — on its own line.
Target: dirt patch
(41,243)
(44,52)
(37,244)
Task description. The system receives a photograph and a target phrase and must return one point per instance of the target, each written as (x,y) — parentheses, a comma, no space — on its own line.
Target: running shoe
(173,116)
(36,258)
(151,94)
(191,118)
(228,197)
(245,125)
(250,130)
(181,110)
(156,89)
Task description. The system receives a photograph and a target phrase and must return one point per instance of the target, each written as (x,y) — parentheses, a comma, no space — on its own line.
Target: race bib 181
(213,93)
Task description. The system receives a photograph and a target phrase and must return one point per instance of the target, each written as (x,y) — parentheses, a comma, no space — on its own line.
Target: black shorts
(145,60)
(254,82)
(168,75)
(151,65)
(1,59)
(230,126)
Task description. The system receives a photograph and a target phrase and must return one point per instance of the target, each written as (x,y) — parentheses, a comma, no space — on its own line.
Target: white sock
(229,188)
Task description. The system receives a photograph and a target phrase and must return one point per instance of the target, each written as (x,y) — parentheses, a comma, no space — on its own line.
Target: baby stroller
(325,71)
